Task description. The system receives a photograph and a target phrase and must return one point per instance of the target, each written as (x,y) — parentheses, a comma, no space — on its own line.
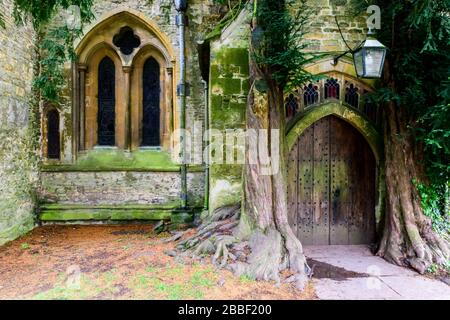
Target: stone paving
(355,273)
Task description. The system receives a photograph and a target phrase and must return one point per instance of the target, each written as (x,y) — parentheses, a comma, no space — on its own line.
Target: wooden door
(331,187)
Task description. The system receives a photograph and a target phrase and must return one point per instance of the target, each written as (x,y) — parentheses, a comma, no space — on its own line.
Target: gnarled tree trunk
(265,201)
(273,243)
(408,238)
(258,242)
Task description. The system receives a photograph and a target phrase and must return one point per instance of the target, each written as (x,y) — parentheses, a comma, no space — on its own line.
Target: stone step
(82,213)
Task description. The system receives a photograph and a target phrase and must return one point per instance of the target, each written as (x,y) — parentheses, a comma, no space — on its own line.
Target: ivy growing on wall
(19,145)
(55,43)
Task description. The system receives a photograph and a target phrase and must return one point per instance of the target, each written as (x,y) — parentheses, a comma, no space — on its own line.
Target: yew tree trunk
(273,243)
(407,236)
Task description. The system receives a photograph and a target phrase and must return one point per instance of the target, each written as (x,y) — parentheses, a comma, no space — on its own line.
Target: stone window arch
(106,113)
(51,127)
(144,85)
(97,116)
(146,113)
(150,104)
(334,86)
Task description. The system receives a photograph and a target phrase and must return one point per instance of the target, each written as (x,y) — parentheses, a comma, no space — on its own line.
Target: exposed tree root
(262,257)
(418,250)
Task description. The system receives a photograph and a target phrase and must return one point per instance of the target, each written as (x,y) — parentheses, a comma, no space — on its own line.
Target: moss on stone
(16,230)
(117,160)
(104,214)
(234,57)
(180,218)
(229,88)
(57,206)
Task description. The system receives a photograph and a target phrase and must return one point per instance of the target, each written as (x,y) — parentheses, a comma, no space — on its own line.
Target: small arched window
(150,104)
(53,141)
(106,115)
(331,89)
(291,106)
(310,94)
(352,96)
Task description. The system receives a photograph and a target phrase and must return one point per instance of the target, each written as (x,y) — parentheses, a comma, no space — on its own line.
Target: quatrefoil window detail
(126,40)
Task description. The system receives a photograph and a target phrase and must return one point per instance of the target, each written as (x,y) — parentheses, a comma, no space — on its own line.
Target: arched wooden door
(331,185)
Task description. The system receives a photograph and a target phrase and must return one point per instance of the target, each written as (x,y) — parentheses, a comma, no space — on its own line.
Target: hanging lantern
(369,58)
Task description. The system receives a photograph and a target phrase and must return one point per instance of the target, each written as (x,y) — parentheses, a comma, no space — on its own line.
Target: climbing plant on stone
(55,44)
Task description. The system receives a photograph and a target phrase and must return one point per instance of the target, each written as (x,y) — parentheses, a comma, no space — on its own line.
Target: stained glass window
(150,103)
(352,96)
(53,144)
(291,105)
(331,89)
(310,94)
(106,103)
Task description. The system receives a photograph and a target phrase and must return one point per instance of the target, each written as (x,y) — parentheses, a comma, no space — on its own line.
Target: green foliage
(25,246)
(433,268)
(42,13)
(417,33)
(278,40)
(56,45)
(437,269)
(56,48)
(434,207)
(2,20)
(435,133)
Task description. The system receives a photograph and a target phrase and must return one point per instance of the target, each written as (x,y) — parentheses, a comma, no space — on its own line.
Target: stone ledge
(110,213)
(114,160)
(77,168)
(103,214)
(62,207)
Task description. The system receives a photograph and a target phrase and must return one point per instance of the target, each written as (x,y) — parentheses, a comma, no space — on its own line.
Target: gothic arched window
(291,106)
(150,103)
(53,141)
(310,94)
(331,89)
(352,96)
(106,115)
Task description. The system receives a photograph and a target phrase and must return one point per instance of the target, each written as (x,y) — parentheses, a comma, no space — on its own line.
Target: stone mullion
(127,70)
(82,68)
(170,125)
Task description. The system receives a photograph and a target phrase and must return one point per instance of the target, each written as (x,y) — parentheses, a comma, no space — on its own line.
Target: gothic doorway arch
(332,184)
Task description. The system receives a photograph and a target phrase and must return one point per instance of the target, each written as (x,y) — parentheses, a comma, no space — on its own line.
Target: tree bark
(265,198)
(408,238)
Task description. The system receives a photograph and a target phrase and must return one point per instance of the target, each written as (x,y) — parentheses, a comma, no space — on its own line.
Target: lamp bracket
(336,58)
(350,50)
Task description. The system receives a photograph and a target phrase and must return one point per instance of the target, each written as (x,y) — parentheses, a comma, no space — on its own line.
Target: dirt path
(117,262)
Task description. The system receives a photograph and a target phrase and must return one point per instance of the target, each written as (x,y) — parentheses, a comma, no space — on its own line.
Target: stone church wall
(18,170)
(150,186)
